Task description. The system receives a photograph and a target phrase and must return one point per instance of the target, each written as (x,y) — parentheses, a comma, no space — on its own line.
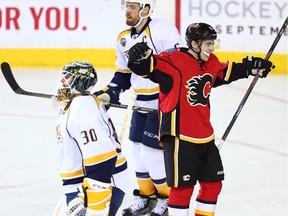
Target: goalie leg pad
(96,196)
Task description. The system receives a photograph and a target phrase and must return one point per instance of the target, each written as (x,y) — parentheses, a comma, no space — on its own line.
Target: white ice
(254,154)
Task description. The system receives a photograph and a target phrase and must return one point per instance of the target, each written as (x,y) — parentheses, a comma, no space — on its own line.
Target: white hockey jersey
(86,139)
(159,35)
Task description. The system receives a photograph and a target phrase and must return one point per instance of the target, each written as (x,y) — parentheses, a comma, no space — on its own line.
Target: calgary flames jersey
(184,102)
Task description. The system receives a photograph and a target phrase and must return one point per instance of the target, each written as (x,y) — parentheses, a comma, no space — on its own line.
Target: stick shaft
(253,83)
(8,74)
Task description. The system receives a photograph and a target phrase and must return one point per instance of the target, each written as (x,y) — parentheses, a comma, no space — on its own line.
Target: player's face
(206,49)
(132,13)
(67,79)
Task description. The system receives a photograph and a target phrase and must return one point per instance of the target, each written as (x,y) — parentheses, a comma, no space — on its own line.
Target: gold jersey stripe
(145,90)
(100,158)
(176,162)
(228,72)
(197,140)
(123,33)
(124,70)
(73,174)
(120,161)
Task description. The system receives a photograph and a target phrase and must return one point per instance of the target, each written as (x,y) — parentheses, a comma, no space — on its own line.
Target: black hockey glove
(253,64)
(139,52)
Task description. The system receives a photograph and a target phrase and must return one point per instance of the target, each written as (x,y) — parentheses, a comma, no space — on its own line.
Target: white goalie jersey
(159,35)
(86,139)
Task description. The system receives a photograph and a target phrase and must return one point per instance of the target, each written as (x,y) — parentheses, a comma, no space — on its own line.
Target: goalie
(89,149)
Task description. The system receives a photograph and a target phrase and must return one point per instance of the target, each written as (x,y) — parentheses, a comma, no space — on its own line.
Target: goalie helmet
(142,3)
(75,78)
(199,32)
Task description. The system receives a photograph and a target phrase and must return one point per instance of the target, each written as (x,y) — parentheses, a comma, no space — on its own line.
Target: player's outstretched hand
(139,52)
(253,64)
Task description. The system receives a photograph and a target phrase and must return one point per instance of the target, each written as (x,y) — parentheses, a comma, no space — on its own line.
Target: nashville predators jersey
(159,35)
(87,142)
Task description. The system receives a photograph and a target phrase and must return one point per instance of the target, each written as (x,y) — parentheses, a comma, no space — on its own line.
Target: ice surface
(254,154)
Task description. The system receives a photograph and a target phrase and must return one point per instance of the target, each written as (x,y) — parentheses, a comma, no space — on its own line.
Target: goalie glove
(96,196)
(253,64)
(138,52)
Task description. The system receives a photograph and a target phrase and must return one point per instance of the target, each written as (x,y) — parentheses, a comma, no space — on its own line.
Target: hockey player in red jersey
(186,77)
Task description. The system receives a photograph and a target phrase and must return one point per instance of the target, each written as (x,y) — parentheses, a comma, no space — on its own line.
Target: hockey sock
(207,198)
(179,200)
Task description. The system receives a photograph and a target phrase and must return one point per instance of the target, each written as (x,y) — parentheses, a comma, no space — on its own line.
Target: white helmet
(143,3)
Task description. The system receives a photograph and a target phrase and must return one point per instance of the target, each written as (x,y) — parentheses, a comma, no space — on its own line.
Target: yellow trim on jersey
(120,161)
(96,99)
(100,158)
(147,30)
(151,64)
(173,123)
(123,33)
(124,70)
(105,88)
(73,174)
(228,72)
(147,91)
(176,162)
(204,213)
(197,140)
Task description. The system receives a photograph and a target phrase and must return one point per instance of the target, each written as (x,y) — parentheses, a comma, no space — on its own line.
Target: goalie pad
(96,196)
(76,208)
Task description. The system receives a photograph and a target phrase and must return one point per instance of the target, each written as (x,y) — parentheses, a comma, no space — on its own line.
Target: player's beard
(132,21)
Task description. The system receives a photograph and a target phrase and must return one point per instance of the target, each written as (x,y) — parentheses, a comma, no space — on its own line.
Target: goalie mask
(76,78)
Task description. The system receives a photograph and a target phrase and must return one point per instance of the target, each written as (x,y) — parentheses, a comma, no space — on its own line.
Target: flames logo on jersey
(199,90)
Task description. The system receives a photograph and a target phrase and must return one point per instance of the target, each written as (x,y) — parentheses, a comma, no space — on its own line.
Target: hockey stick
(253,83)
(7,72)
(127,116)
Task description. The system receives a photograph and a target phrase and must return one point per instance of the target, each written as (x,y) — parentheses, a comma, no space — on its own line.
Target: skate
(143,205)
(161,208)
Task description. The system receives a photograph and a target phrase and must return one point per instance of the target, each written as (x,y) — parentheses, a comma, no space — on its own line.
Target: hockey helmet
(142,3)
(75,78)
(199,32)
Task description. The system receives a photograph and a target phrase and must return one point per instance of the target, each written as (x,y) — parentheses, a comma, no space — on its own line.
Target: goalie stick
(7,72)
(253,83)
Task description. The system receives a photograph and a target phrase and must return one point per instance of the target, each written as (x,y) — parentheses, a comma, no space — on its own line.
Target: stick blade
(7,72)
